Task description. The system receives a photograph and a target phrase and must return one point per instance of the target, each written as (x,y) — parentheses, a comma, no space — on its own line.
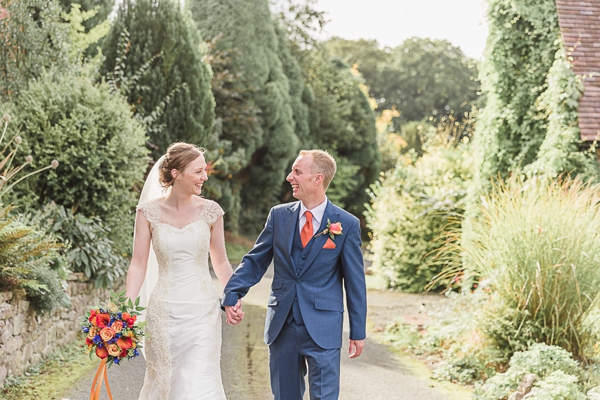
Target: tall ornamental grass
(537,244)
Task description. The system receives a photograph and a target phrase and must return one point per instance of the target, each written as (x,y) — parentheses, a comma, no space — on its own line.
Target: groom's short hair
(323,163)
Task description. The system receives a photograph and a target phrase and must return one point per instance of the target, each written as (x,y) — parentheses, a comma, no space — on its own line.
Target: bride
(175,230)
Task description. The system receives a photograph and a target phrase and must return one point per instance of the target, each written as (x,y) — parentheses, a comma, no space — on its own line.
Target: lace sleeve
(151,211)
(211,212)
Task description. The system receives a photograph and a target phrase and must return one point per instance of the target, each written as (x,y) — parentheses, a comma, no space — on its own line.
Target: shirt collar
(317,212)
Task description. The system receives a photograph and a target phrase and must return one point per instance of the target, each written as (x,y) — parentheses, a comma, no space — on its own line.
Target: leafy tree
(103,7)
(247,27)
(32,39)
(340,116)
(179,76)
(420,78)
(365,55)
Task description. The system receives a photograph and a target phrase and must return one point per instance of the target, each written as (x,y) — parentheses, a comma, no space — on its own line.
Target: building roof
(580,27)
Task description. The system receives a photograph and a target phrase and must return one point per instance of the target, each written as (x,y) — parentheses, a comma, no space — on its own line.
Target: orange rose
(125,316)
(335,228)
(107,333)
(113,350)
(102,320)
(125,342)
(101,352)
(117,326)
(91,333)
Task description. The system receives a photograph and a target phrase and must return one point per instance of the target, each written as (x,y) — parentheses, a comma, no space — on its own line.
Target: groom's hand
(234,314)
(356,348)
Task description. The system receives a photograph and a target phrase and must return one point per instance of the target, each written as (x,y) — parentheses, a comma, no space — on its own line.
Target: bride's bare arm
(139,260)
(218,254)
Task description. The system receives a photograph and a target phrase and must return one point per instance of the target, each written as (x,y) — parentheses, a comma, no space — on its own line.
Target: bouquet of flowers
(111,329)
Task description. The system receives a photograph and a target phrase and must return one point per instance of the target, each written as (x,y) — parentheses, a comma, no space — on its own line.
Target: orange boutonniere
(333,229)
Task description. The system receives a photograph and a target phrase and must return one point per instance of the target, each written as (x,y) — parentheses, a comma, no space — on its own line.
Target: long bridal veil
(152,190)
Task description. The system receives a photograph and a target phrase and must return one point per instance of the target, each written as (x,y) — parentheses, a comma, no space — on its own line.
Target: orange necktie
(307,230)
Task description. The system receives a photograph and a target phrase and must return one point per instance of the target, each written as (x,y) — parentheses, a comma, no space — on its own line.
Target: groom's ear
(318,179)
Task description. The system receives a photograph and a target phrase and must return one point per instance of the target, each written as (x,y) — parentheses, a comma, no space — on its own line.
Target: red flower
(89,341)
(124,342)
(123,354)
(131,320)
(101,352)
(102,320)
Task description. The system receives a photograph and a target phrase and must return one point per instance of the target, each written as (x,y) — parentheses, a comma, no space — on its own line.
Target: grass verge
(51,378)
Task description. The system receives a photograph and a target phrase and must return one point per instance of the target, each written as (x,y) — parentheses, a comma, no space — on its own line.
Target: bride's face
(192,177)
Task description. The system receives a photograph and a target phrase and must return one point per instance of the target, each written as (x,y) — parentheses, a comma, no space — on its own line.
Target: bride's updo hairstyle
(179,155)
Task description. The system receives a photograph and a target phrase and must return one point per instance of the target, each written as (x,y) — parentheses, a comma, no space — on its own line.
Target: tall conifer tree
(247,26)
(178,76)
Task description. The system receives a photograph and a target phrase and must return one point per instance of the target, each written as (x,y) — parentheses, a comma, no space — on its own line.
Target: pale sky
(390,22)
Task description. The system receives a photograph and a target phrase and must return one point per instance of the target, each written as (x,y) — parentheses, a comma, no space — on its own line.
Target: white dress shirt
(317,213)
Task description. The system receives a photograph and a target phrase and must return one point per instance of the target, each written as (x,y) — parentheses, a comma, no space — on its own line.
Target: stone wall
(26,337)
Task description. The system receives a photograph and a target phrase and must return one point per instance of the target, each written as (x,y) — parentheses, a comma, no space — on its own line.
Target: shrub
(101,150)
(88,248)
(537,243)
(30,264)
(541,360)
(412,207)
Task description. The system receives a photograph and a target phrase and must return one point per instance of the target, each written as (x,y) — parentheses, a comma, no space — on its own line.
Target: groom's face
(302,178)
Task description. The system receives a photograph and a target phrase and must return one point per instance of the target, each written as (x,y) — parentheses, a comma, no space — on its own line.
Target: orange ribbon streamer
(97,384)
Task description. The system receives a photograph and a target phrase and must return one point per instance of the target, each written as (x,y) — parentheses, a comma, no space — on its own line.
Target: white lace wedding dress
(183,342)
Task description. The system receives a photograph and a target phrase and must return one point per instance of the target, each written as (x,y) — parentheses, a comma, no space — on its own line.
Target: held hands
(234,314)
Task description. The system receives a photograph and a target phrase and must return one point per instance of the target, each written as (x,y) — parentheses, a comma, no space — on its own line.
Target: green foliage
(531,97)
(237,125)
(79,39)
(557,386)
(420,78)
(102,10)
(179,76)
(30,264)
(413,206)
(451,336)
(557,375)
(251,32)
(536,243)
(560,151)
(99,146)
(88,248)
(32,39)
(342,122)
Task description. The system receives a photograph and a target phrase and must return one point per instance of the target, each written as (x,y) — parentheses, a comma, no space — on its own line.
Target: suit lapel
(288,230)
(319,241)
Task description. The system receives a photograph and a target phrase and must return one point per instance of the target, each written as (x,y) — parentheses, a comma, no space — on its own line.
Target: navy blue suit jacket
(318,285)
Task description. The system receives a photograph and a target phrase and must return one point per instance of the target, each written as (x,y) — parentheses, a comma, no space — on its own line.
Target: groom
(315,247)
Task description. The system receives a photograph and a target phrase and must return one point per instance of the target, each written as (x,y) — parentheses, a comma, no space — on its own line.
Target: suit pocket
(277,284)
(329,304)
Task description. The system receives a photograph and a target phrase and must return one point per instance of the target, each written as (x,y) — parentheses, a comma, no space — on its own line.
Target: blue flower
(116,361)
(135,353)
(85,329)
(97,340)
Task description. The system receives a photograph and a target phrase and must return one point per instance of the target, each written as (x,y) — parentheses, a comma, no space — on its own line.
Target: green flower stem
(24,177)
